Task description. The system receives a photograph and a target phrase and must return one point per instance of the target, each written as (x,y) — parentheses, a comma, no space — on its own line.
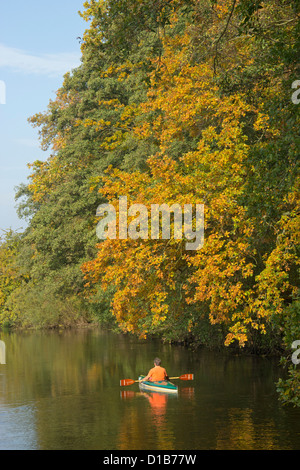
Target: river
(61,391)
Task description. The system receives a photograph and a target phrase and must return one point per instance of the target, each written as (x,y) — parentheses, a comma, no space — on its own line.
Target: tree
(12,275)
(182,102)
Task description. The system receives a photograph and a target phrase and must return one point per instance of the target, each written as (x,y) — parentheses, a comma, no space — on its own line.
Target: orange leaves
(203,132)
(134,269)
(155,281)
(220,270)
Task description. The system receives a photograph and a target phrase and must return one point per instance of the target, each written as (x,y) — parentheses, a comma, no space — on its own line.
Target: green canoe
(164,386)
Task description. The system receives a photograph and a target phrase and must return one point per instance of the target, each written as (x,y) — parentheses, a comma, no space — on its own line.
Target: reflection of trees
(72,377)
(71,380)
(133,430)
(242,433)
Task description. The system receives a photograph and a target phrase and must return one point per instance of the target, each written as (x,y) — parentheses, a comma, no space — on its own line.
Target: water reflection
(157,402)
(152,416)
(242,433)
(62,391)
(149,424)
(187,392)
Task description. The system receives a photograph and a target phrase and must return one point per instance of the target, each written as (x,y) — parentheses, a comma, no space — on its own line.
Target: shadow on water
(61,390)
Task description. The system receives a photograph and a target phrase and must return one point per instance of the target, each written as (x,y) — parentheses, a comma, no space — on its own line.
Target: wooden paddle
(125,382)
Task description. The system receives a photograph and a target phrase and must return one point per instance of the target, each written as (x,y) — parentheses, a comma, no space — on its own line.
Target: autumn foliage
(157,283)
(185,102)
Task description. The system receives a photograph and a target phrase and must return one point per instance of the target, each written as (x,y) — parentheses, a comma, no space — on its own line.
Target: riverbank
(191,343)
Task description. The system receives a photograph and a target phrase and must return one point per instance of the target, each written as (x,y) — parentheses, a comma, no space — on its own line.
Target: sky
(38,45)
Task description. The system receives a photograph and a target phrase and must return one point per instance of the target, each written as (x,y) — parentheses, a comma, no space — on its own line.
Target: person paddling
(157,373)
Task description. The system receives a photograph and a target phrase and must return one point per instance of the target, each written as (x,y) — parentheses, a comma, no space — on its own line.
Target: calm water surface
(62,391)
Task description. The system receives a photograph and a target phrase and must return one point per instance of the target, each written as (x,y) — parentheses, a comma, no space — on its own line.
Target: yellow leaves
(45,177)
(238,333)
(262,122)
(187,110)
(98,125)
(275,282)
(185,100)
(41,179)
(136,269)
(222,9)
(11,276)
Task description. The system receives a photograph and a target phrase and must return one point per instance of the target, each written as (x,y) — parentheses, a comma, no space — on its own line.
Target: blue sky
(38,45)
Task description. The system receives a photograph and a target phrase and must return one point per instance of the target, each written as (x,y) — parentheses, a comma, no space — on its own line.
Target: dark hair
(157,361)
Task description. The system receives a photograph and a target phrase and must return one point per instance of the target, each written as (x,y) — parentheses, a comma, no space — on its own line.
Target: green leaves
(175,102)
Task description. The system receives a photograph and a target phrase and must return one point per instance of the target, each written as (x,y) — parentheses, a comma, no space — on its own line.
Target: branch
(223,32)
